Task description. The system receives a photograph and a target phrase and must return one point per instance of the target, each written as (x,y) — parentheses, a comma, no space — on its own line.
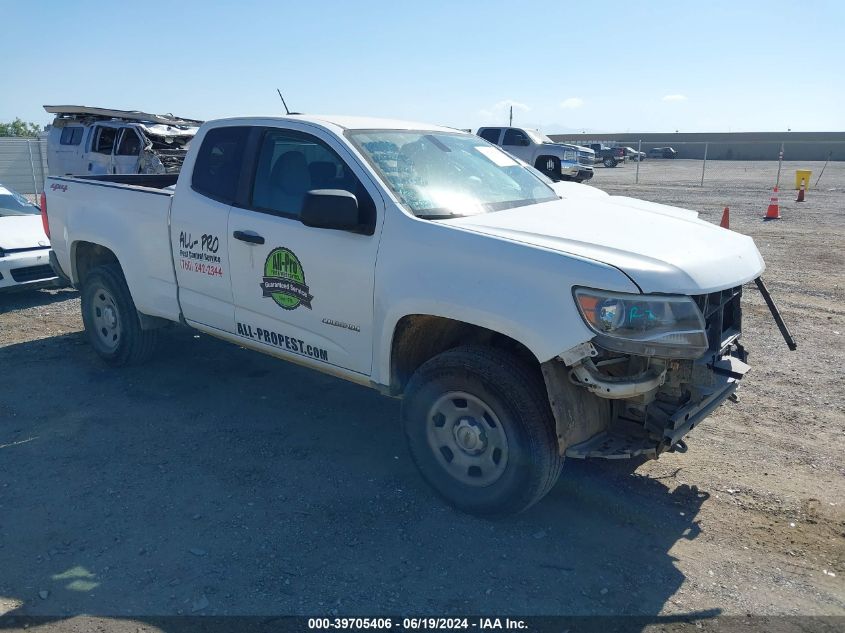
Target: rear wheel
(111,320)
(609,162)
(480,429)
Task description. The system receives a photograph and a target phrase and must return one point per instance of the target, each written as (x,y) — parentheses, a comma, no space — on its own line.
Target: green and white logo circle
(284,280)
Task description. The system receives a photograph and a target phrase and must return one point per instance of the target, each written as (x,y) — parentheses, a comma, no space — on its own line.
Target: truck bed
(127,214)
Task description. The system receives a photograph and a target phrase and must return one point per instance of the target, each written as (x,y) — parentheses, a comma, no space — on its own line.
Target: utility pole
(510,118)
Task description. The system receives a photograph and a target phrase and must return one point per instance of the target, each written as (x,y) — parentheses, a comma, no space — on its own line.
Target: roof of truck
(371,123)
(355,122)
(125,115)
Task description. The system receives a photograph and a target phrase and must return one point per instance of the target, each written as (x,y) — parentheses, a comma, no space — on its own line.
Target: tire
(468,403)
(111,320)
(609,162)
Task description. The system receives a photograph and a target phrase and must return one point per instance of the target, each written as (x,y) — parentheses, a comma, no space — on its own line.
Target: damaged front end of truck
(657,367)
(165,148)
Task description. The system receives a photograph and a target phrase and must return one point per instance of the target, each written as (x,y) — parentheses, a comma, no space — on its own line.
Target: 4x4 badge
(284,280)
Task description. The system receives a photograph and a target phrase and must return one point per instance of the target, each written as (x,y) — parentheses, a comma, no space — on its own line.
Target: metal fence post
(639,159)
(829,154)
(32,168)
(704,164)
(780,162)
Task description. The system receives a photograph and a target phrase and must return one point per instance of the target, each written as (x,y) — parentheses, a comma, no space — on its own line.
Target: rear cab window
(218,166)
(71,136)
(491,134)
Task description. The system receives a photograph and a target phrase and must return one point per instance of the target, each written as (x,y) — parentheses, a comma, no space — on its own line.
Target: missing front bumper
(593,426)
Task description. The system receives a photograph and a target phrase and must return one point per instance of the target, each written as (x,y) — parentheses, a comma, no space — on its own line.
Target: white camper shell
(97,141)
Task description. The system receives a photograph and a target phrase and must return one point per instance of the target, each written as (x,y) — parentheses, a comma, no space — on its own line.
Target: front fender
(524,292)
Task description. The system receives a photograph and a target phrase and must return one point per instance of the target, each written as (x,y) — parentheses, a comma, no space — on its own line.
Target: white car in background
(24,247)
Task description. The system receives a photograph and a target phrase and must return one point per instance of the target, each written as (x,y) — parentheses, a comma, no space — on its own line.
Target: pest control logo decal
(284,280)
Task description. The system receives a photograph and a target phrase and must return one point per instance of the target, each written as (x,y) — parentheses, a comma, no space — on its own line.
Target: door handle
(251,238)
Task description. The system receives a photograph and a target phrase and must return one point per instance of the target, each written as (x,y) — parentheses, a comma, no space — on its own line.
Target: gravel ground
(217,481)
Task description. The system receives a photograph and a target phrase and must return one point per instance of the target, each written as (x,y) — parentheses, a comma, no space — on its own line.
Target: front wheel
(111,320)
(480,429)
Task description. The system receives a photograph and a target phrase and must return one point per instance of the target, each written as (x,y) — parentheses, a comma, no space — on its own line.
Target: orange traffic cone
(800,197)
(726,219)
(773,212)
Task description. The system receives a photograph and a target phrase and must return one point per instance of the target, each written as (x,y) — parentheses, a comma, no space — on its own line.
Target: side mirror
(524,142)
(331,209)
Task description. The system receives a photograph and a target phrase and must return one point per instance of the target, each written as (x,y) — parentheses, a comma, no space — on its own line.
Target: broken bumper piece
(649,429)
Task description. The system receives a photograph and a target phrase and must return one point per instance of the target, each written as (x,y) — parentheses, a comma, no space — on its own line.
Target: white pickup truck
(557,161)
(520,321)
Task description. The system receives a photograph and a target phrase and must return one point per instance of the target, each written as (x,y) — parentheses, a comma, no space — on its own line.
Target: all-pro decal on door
(200,256)
(284,280)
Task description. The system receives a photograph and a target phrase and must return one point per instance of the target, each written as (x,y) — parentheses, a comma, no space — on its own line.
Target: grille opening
(32,273)
(722,316)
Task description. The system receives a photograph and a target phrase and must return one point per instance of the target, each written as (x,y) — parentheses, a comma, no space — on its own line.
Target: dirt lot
(217,481)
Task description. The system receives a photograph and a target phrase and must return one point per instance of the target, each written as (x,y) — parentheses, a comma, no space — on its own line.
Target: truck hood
(661,248)
(22,231)
(571,146)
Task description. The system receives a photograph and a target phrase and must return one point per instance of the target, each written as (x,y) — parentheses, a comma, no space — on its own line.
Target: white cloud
(572,103)
(501,109)
(675,98)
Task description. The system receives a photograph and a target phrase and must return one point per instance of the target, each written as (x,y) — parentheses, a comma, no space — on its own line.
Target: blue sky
(592,65)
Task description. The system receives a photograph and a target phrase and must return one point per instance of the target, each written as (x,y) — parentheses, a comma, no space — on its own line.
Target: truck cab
(558,161)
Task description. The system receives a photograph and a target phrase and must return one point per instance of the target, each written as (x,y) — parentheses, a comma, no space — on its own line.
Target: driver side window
(290,164)
(130,144)
(103,139)
(515,137)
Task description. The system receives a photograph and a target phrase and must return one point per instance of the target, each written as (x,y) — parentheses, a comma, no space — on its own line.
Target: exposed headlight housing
(667,326)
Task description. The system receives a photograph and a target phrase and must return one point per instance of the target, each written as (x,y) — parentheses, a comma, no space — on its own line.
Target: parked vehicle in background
(608,156)
(84,140)
(558,161)
(662,152)
(24,247)
(632,154)
(518,323)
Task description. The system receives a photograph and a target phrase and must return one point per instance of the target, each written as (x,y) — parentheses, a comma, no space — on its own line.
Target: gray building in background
(727,145)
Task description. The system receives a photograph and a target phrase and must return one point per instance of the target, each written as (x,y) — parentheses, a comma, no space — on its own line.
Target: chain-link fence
(708,153)
(23,164)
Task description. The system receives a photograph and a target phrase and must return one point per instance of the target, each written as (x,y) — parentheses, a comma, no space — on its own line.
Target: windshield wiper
(439,216)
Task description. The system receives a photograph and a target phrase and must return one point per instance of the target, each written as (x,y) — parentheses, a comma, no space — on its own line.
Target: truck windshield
(12,203)
(440,175)
(538,137)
